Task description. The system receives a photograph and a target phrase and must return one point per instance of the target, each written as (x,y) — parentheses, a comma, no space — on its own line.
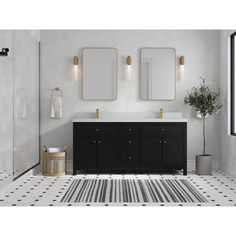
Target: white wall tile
(6,106)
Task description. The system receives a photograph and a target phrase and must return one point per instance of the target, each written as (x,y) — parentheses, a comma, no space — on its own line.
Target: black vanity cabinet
(164,146)
(95,147)
(151,147)
(106,153)
(129,147)
(173,153)
(123,146)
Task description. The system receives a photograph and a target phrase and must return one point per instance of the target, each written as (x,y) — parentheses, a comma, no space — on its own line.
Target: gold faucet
(161,113)
(97,113)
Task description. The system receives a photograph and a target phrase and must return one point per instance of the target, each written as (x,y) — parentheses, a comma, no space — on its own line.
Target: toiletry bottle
(161,113)
(97,113)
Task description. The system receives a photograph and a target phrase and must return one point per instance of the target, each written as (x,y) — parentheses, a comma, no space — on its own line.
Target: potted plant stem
(205,101)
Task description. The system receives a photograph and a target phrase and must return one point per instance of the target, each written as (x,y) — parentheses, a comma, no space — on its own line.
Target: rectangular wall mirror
(100,73)
(158,73)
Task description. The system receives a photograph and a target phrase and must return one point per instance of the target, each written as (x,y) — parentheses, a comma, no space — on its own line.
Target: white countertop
(128,120)
(129,117)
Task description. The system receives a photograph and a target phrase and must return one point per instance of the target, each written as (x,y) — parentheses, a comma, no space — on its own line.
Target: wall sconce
(181,61)
(75,60)
(76,63)
(181,68)
(129,62)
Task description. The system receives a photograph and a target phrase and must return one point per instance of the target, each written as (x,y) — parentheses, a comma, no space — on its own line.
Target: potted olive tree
(205,101)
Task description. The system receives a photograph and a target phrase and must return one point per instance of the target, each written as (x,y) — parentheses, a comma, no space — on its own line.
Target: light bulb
(128,63)
(129,72)
(76,73)
(181,72)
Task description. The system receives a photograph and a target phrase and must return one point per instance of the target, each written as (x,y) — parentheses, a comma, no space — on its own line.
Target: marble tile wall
(19,103)
(6,108)
(202,58)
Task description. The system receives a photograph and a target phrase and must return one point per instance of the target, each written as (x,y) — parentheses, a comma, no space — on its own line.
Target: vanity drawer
(162,130)
(130,157)
(129,142)
(99,131)
(168,130)
(129,131)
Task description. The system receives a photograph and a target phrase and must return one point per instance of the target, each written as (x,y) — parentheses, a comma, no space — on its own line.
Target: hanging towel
(56,104)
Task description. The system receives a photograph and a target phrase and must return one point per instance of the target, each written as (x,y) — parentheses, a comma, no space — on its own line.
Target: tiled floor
(219,189)
(5,178)
(4,175)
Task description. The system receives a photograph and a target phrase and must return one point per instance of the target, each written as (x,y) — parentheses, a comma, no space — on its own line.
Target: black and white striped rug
(132,191)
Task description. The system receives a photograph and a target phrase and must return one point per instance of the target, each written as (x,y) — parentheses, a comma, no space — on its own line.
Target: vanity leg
(185,171)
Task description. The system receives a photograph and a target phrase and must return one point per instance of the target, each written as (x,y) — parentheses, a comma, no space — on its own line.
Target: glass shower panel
(6,109)
(26,101)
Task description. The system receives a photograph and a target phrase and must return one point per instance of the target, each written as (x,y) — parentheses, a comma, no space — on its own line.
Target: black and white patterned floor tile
(219,189)
(5,178)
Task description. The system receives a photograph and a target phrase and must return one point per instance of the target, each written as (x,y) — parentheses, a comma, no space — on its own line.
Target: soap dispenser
(161,113)
(97,113)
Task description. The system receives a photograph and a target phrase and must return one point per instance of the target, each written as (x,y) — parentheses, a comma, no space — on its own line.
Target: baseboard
(190,165)
(228,169)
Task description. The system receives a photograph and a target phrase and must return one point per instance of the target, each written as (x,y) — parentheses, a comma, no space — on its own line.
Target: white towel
(56,106)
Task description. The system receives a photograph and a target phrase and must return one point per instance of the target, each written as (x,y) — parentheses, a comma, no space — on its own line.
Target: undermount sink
(129,117)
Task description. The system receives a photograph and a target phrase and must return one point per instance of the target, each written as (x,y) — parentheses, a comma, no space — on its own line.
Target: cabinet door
(86,149)
(172,152)
(106,152)
(151,152)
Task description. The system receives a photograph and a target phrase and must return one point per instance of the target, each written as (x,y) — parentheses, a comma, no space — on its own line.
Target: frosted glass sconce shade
(128,62)
(76,69)
(181,67)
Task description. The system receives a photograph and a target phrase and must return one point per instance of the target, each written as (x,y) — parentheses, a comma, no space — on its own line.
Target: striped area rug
(132,191)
